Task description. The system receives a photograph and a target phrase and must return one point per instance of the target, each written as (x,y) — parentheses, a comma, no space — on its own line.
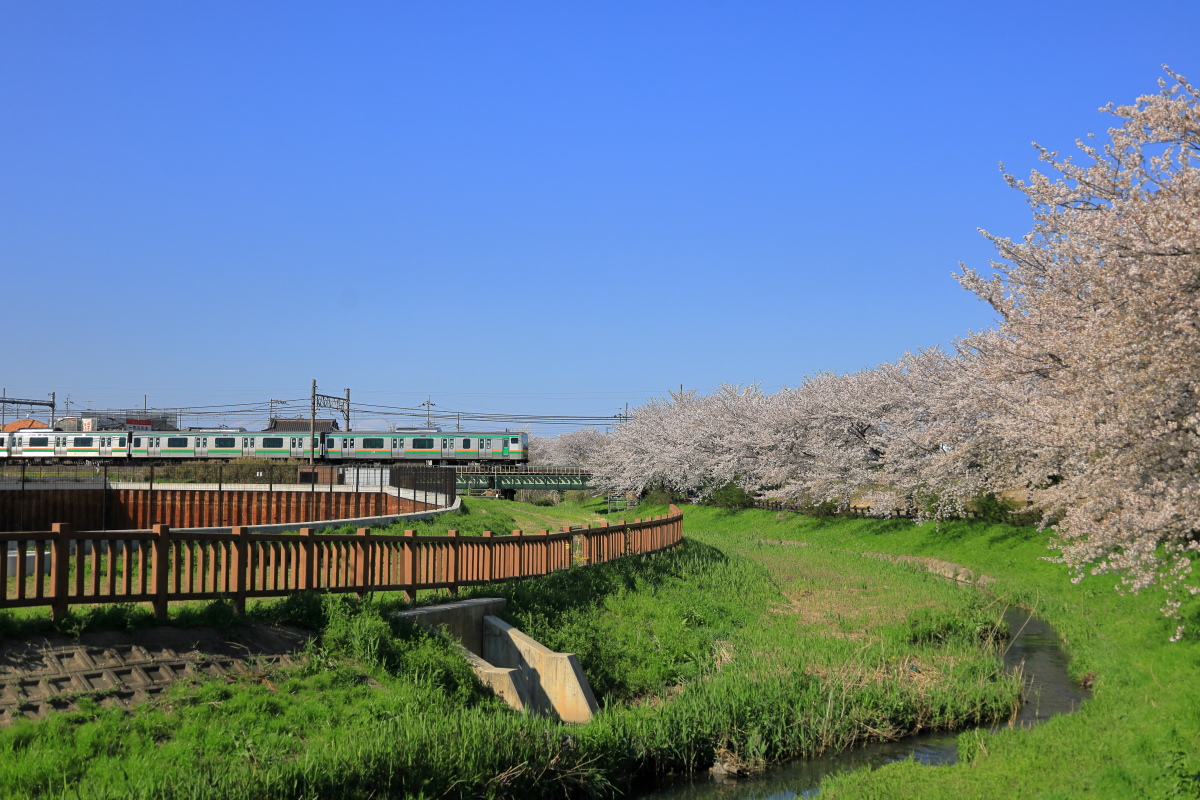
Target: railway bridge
(507,479)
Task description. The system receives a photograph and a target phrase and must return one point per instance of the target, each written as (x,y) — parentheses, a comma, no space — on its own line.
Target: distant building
(119,419)
(300,425)
(19,424)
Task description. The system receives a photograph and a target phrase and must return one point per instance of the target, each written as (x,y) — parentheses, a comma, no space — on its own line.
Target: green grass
(1138,737)
(724,648)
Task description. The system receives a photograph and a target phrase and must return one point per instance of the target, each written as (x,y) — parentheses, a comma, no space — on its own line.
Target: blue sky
(521,207)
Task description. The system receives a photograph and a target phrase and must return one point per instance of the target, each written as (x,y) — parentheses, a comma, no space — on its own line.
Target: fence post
(151,503)
(162,549)
(452,566)
(60,565)
(239,568)
(488,552)
(104,501)
(362,556)
(304,581)
(520,559)
(410,567)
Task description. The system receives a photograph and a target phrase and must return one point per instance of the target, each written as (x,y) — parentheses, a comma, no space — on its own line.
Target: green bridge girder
(510,479)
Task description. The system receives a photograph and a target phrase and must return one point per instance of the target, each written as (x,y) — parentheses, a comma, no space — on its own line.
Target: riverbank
(722,651)
(1139,736)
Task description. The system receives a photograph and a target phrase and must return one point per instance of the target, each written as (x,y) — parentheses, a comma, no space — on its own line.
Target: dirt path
(121,669)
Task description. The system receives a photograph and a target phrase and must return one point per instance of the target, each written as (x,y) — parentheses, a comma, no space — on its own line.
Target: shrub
(731,496)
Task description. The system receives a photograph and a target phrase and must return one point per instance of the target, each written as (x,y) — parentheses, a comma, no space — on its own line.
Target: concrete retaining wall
(552,683)
(523,672)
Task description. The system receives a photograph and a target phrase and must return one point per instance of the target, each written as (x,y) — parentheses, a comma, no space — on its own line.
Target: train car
(215,444)
(428,446)
(398,447)
(42,443)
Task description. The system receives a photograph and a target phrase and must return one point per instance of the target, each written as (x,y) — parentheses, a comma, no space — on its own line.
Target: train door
(348,447)
(201,446)
(296,446)
(247,446)
(398,448)
(505,441)
(153,446)
(60,445)
(106,446)
(448,447)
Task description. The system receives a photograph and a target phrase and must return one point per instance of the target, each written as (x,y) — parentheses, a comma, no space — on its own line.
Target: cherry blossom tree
(567,449)
(1097,355)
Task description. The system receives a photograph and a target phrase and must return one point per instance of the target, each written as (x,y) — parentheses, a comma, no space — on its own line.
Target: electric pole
(428,405)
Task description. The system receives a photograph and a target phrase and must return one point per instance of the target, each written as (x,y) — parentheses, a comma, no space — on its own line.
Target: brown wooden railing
(64,567)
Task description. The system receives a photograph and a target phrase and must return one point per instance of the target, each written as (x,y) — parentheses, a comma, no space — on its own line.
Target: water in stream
(1049,691)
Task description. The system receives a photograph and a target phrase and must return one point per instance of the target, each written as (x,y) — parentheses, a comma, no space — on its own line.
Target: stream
(1049,691)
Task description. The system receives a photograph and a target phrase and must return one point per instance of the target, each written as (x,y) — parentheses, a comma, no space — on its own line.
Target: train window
(121,443)
(82,441)
(272,441)
(466,444)
(39,441)
(177,441)
(373,444)
(515,440)
(422,444)
(393,443)
(223,441)
(137,442)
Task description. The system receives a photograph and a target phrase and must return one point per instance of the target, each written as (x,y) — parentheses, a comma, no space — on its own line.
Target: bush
(993,508)
(731,496)
(660,495)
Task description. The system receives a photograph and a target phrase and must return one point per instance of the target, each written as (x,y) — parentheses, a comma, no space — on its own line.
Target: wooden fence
(63,567)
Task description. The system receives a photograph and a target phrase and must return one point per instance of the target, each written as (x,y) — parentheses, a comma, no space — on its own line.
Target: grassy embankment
(724,648)
(1138,737)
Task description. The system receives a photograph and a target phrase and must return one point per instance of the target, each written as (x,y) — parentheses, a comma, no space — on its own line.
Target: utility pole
(428,405)
(312,426)
(347,409)
(271,409)
(458,425)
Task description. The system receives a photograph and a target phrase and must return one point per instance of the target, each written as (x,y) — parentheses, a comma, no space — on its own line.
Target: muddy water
(1049,691)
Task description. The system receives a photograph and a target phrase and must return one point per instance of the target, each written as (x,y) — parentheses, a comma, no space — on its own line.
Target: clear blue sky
(525,207)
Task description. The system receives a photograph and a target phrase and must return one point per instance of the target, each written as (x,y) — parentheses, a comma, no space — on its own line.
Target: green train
(377,447)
